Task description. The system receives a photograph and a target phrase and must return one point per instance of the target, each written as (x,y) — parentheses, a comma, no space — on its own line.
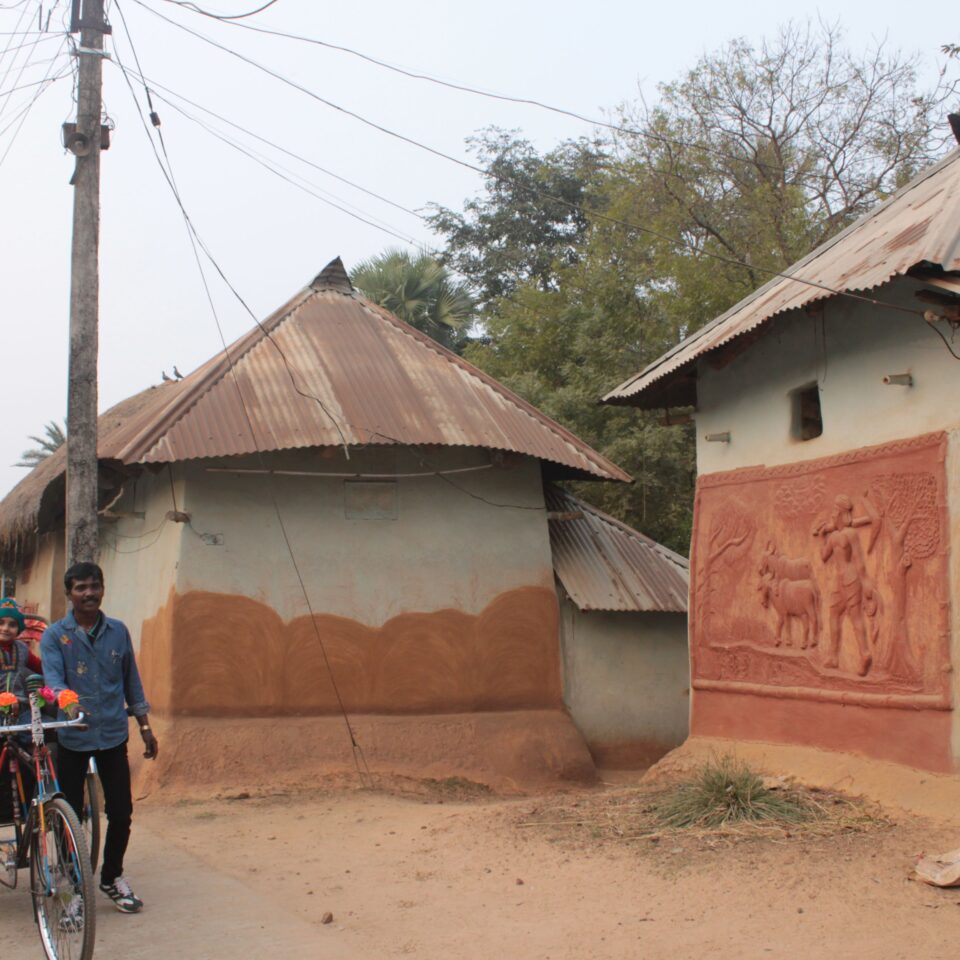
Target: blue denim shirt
(104,675)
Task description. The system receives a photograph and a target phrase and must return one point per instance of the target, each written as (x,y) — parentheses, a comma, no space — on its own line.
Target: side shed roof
(605,565)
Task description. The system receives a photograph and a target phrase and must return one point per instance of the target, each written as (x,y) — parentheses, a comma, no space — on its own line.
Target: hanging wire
(26,110)
(221,16)
(677,242)
(276,146)
(195,241)
(753,162)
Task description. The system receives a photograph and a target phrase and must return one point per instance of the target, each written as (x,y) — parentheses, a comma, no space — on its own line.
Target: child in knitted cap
(16,664)
(16,660)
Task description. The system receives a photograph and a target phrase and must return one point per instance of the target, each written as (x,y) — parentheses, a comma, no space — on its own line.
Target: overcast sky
(270,237)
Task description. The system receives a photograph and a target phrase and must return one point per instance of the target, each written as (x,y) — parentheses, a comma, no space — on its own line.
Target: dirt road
(432,877)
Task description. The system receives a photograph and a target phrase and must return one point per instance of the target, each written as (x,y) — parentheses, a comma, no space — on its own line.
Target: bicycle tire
(61,884)
(90,821)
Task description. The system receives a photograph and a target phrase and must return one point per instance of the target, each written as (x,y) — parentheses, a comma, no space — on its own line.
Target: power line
(267,334)
(677,242)
(33,83)
(523,101)
(41,39)
(26,111)
(276,146)
(7,48)
(220,16)
(289,179)
(167,171)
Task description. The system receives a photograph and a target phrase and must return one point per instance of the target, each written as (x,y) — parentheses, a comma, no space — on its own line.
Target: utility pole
(81,521)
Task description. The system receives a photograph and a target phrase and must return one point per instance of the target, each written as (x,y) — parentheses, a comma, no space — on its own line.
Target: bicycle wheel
(61,883)
(91,817)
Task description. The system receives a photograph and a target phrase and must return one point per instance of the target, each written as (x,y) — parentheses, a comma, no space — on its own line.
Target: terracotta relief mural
(826,580)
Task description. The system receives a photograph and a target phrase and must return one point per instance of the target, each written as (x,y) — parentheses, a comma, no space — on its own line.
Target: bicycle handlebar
(76,724)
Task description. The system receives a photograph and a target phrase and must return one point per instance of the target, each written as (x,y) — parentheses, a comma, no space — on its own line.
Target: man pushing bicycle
(93,655)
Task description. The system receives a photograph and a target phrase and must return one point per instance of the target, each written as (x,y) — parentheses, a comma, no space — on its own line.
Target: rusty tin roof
(335,369)
(605,565)
(331,368)
(919,223)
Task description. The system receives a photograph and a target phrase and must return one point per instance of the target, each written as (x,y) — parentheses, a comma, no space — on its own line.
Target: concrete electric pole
(84,142)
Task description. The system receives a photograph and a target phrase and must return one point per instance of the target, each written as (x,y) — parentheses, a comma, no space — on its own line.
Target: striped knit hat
(10,610)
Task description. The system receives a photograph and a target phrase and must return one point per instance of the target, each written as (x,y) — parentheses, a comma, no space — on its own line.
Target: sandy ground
(434,876)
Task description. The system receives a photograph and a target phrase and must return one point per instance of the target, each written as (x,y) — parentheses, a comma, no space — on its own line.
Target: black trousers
(114,769)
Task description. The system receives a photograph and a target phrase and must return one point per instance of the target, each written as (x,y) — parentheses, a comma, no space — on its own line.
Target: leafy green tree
(54,437)
(561,349)
(529,218)
(420,291)
(761,152)
(742,166)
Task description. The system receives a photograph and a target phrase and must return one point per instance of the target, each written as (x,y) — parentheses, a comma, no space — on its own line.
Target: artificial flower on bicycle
(69,702)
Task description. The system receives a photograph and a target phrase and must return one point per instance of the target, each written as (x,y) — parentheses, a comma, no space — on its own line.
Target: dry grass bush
(726,791)
(720,802)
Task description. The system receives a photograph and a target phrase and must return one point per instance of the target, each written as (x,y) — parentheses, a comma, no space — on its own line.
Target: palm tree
(420,291)
(55,437)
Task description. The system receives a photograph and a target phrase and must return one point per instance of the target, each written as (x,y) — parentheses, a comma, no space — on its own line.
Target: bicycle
(49,840)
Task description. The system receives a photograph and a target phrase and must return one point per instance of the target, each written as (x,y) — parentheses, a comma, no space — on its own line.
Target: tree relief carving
(833,581)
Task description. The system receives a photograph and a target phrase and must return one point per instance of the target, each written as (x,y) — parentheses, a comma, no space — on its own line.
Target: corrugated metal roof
(920,222)
(362,377)
(605,565)
(349,372)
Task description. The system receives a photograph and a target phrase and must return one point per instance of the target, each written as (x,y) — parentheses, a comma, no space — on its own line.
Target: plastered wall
(444,548)
(426,595)
(846,348)
(40,582)
(626,682)
(140,550)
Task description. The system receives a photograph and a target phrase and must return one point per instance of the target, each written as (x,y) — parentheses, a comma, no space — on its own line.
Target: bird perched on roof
(177,373)
(166,379)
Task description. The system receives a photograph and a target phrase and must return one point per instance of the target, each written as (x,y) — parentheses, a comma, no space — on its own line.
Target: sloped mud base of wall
(509,751)
(893,785)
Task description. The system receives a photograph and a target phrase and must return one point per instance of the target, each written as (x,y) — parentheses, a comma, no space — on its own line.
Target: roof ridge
(522,405)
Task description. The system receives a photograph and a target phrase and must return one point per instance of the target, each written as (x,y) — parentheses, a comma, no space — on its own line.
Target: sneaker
(72,919)
(122,895)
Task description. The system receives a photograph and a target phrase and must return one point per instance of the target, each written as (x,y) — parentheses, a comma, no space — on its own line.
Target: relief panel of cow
(827,577)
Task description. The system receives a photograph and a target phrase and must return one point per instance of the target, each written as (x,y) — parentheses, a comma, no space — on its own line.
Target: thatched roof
(36,502)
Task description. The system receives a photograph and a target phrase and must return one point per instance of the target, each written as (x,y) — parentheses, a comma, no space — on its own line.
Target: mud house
(420,618)
(825,578)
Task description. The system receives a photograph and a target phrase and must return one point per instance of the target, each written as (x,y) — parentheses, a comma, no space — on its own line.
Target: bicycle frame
(47,785)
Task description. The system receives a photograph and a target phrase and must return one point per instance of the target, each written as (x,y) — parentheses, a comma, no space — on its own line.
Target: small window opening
(807,416)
